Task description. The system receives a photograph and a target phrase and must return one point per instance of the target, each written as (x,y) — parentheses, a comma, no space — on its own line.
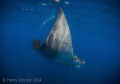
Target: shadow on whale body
(58,45)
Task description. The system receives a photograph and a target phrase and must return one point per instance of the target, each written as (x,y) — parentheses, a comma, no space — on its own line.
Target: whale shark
(57,47)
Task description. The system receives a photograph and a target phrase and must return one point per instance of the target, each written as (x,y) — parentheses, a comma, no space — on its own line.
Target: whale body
(57,47)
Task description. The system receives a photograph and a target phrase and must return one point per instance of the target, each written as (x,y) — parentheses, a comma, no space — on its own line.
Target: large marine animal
(57,47)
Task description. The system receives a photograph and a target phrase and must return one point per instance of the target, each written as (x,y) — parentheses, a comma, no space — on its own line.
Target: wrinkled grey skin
(58,45)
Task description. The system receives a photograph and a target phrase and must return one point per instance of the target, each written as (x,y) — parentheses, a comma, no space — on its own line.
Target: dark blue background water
(95,31)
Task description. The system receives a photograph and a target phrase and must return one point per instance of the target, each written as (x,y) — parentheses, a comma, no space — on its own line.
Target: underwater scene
(60,41)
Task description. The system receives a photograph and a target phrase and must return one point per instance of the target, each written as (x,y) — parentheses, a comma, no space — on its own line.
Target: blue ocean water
(95,32)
